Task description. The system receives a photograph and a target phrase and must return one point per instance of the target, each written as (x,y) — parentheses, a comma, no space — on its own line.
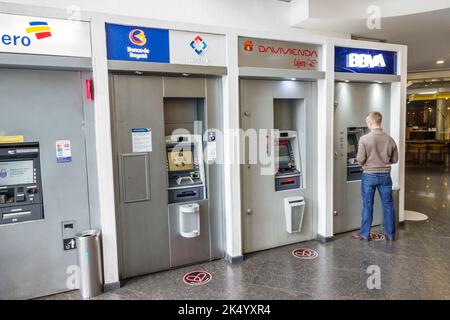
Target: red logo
(197,278)
(305,253)
(287,51)
(248,45)
(137,37)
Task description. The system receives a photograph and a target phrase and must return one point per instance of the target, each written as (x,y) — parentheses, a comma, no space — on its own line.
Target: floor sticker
(376,236)
(197,278)
(415,216)
(305,253)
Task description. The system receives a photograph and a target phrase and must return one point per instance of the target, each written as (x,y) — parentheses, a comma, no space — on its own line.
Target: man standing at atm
(377,151)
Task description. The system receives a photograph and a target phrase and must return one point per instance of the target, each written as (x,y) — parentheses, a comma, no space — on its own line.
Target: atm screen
(351,147)
(283,154)
(180,160)
(16,172)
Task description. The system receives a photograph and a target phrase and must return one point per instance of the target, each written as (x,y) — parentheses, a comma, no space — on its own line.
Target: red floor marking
(197,278)
(305,253)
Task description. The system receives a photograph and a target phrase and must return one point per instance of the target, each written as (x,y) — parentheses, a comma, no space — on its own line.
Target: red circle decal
(197,278)
(305,253)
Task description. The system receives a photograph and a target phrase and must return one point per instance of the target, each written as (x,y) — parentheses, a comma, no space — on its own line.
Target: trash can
(90,263)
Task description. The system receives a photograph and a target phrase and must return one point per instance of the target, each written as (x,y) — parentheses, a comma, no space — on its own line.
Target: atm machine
(353,101)
(169,188)
(354,169)
(20,183)
(288,175)
(278,206)
(45,164)
(185,168)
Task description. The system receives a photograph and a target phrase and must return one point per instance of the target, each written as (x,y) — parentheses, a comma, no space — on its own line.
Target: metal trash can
(90,263)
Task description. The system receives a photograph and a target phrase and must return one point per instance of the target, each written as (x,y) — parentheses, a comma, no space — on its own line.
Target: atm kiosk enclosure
(169,201)
(20,183)
(353,101)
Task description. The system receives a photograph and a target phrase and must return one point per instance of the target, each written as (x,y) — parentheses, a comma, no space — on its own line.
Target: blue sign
(137,44)
(357,60)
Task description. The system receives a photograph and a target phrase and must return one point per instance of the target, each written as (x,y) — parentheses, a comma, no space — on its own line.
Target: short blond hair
(375,118)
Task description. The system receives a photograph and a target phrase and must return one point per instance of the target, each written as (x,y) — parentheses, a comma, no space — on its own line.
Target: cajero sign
(35,35)
(266,53)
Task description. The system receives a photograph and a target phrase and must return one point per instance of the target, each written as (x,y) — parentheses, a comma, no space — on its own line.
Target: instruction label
(141,139)
(211,147)
(63,151)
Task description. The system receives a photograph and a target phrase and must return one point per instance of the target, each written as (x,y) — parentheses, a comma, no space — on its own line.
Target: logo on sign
(3,173)
(40,29)
(137,37)
(198,45)
(287,51)
(248,45)
(302,57)
(362,60)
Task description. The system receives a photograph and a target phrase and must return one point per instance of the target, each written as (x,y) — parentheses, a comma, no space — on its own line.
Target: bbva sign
(363,60)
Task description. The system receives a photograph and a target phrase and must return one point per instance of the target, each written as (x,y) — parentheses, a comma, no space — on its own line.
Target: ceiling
(426,34)
(412,23)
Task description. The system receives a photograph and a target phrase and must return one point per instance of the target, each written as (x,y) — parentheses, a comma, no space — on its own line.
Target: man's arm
(362,155)
(394,156)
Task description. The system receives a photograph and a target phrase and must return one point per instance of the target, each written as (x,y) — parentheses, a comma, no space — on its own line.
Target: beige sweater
(377,151)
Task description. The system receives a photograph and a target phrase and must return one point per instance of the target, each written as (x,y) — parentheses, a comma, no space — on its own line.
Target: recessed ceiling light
(293,79)
(440,61)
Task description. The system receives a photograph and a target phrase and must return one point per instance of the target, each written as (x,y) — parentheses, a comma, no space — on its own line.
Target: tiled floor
(414,267)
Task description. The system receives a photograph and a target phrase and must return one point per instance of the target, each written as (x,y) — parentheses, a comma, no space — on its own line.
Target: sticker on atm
(141,139)
(11,139)
(63,151)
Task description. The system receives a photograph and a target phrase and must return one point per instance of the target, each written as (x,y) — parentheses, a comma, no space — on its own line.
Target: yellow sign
(11,139)
(431,96)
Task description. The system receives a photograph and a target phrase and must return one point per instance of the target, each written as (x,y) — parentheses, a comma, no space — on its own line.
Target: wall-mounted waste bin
(90,263)
(294,209)
(190,220)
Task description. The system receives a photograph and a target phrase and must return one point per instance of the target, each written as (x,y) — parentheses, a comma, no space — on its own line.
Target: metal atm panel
(45,106)
(155,214)
(353,101)
(143,200)
(263,218)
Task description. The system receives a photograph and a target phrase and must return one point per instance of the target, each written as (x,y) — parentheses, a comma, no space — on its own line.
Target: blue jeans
(370,182)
